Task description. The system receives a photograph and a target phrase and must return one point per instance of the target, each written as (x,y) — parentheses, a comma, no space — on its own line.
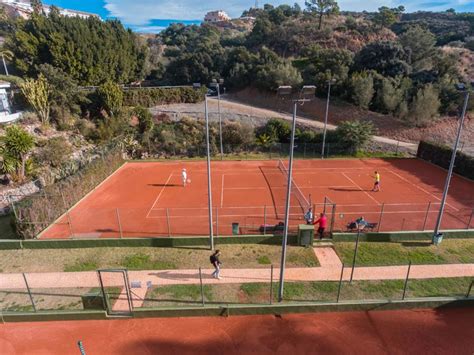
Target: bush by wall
(149,97)
(441,156)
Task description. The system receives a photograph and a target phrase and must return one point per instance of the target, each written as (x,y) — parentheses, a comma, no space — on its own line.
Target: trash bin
(437,238)
(305,234)
(235,228)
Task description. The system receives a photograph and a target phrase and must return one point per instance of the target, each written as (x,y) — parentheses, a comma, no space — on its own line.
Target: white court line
(419,188)
(159,195)
(284,187)
(360,188)
(222,191)
(294,214)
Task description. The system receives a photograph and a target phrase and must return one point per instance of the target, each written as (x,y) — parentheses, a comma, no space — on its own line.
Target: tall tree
(37,6)
(386,17)
(362,86)
(322,8)
(386,58)
(421,44)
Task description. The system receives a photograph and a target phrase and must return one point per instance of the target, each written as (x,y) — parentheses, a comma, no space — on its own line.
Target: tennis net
(304,203)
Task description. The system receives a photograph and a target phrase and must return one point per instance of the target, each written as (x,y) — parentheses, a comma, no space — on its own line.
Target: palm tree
(5,53)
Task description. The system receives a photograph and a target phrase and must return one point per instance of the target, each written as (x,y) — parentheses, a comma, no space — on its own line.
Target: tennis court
(425,331)
(147,199)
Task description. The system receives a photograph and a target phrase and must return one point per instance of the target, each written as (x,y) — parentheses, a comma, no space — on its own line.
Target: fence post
(271,284)
(470,220)
(67,216)
(324,204)
(119,223)
(398,143)
(426,216)
(355,253)
(340,283)
(202,287)
(406,281)
(403,224)
(470,288)
(217,221)
(29,291)
(380,218)
(333,217)
(168,222)
(264,220)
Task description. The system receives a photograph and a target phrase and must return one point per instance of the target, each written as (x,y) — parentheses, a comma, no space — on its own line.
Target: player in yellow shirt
(377,182)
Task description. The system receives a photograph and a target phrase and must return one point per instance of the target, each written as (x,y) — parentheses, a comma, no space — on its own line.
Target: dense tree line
(89,51)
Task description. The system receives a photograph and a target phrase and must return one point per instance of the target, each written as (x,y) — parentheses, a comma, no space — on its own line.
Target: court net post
(381,215)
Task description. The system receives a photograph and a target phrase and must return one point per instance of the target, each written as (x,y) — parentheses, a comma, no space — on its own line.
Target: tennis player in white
(184,176)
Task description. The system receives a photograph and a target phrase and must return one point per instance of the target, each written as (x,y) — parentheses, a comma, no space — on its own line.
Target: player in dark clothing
(216,263)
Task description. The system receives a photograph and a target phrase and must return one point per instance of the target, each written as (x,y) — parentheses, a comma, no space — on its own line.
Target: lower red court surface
(449,331)
(146,199)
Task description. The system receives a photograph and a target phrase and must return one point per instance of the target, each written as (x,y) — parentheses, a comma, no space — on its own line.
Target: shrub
(55,152)
(277,129)
(424,107)
(354,135)
(110,97)
(237,134)
(145,119)
(362,86)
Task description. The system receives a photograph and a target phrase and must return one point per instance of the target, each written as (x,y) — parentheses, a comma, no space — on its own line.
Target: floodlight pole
(209,184)
(326,119)
(451,166)
(287,206)
(220,120)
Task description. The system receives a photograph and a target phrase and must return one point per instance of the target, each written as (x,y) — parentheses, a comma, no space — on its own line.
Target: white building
(216,16)
(6,114)
(23,8)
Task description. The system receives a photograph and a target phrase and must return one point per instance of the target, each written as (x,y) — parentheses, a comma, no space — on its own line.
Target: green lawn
(450,251)
(145,258)
(6,230)
(321,291)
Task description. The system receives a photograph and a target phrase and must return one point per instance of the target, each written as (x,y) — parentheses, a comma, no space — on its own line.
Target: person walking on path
(322,221)
(376,182)
(309,216)
(184,176)
(216,263)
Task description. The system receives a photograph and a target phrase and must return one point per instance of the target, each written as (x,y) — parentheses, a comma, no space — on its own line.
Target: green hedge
(401,236)
(441,156)
(149,97)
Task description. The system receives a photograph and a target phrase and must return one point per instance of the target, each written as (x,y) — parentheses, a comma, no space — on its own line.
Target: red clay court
(446,331)
(147,199)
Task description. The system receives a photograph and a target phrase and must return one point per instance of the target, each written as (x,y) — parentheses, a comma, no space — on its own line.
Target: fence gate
(116,291)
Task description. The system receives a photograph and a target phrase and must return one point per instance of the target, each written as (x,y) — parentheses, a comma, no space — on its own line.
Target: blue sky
(154,15)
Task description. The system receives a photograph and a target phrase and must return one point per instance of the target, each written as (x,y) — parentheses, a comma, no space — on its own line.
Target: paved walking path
(330,270)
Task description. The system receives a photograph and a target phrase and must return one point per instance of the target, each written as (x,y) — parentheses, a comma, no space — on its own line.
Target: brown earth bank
(444,130)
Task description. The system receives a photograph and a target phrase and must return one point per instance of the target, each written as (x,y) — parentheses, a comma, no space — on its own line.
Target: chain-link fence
(235,221)
(36,292)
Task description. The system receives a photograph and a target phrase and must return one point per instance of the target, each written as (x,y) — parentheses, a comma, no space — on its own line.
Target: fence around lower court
(79,223)
(119,292)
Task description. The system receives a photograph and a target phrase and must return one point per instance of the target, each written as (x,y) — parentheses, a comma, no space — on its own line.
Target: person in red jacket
(323,222)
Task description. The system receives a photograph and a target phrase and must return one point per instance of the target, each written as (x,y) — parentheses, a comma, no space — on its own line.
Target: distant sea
(156,26)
